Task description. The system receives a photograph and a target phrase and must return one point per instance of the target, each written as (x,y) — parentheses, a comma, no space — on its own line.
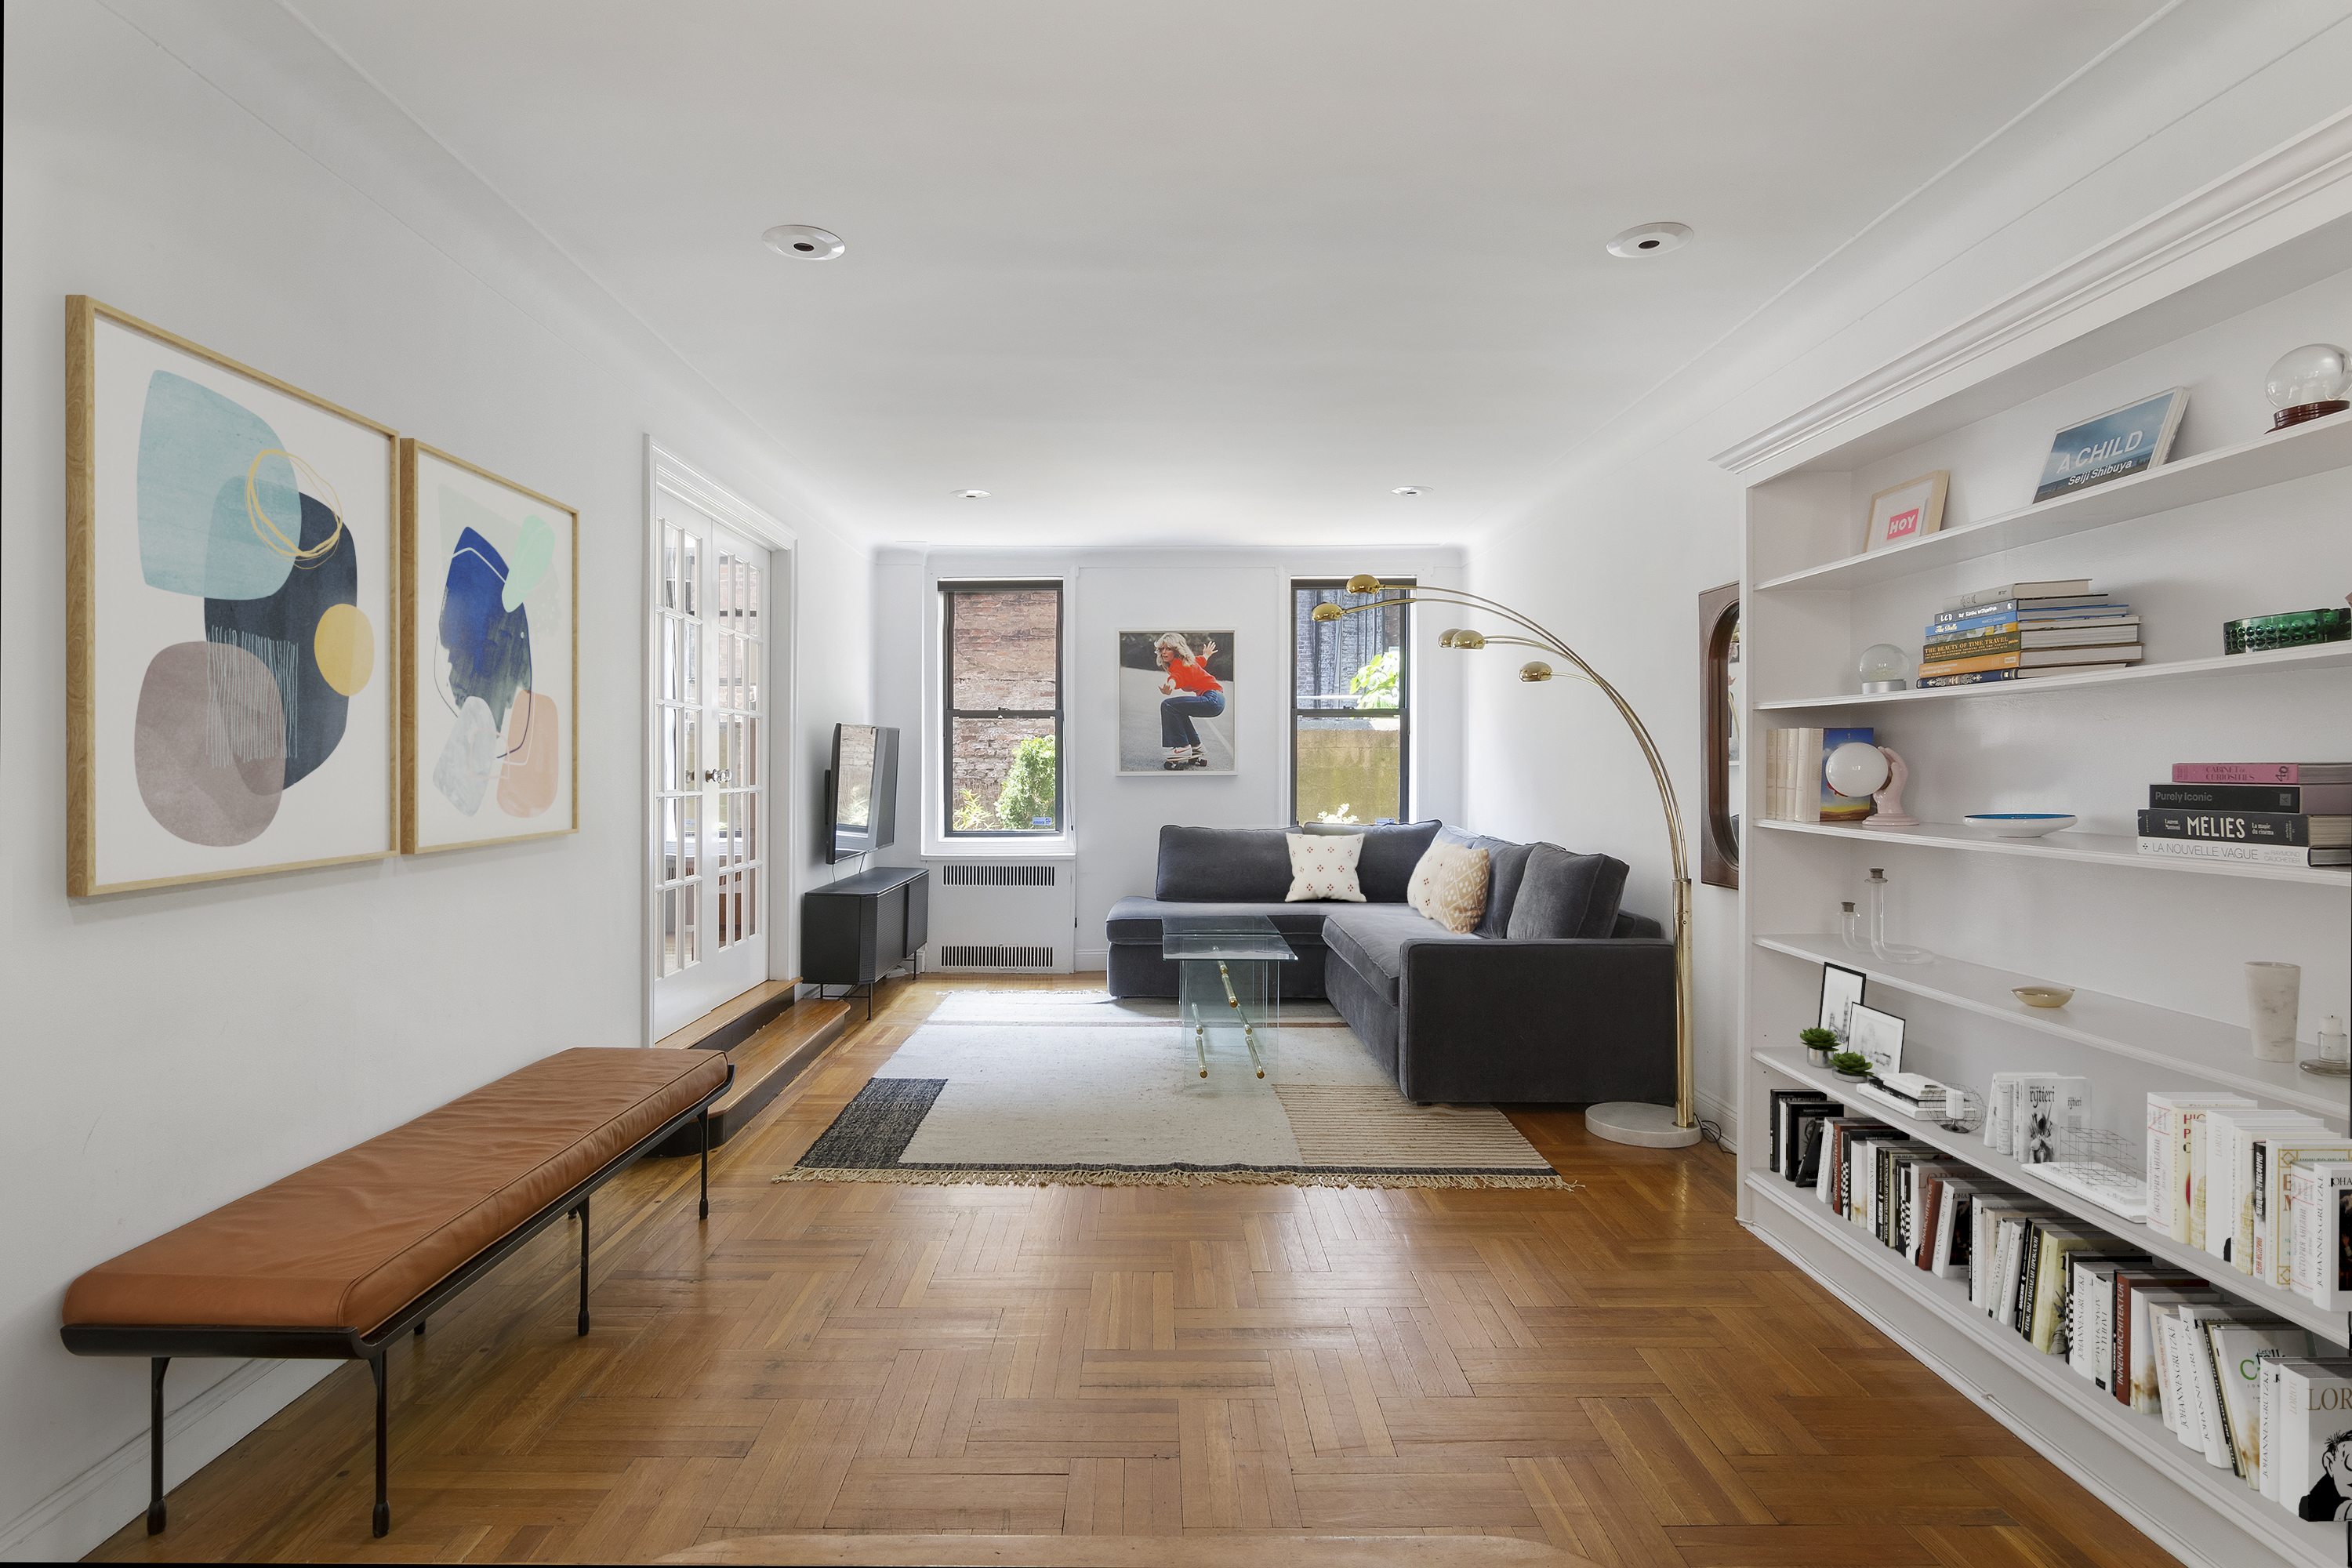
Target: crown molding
(2292,173)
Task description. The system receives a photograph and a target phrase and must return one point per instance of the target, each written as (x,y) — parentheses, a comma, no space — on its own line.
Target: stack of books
(2016,631)
(2265,814)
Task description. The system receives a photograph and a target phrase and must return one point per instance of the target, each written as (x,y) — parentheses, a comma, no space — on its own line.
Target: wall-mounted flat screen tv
(861,791)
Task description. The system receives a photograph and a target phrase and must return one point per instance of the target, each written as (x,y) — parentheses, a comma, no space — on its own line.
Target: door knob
(716,775)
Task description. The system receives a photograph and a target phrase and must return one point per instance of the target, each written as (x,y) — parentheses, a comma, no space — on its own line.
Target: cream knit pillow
(1449,886)
(1323,866)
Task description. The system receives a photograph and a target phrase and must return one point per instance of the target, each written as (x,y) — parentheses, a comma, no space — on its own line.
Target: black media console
(857,929)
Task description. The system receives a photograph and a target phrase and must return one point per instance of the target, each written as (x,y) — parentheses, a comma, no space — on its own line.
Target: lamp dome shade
(1363,583)
(1534,669)
(1326,613)
(1467,639)
(1856,768)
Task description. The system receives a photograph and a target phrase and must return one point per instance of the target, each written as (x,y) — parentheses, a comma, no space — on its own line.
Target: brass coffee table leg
(1249,1035)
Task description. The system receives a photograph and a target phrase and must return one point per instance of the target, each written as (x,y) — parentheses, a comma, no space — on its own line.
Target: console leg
(420,1327)
(583,1265)
(705,1124)
(382,1450)
(155,1443)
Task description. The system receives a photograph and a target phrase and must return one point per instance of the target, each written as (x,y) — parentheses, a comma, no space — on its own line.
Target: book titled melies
(2283,821)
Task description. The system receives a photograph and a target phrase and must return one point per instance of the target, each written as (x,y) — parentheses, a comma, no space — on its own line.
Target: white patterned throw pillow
(1323,866)
(1449,886)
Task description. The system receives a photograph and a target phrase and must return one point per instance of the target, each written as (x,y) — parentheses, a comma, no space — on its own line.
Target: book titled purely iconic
(2114,445)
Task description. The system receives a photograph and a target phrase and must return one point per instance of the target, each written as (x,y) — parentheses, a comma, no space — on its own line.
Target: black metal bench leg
(382,1450)
(583,1265)
(705,1123)
(155,1443)
(420,1327)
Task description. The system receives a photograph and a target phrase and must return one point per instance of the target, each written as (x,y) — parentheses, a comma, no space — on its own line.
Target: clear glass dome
(1883,667)
(2316,372)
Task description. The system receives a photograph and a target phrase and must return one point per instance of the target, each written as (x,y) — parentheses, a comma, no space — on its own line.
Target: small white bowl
(2020,824)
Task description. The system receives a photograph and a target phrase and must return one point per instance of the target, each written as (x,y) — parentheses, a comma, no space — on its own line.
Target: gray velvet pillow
(1224,866)
(1563,894)
(1385,867)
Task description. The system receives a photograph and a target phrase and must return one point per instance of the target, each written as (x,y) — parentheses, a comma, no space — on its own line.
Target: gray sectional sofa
(1557,996)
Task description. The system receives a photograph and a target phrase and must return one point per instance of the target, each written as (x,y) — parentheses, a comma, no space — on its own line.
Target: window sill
(1058,846)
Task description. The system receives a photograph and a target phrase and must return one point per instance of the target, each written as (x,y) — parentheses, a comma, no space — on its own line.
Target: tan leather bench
(336,1261)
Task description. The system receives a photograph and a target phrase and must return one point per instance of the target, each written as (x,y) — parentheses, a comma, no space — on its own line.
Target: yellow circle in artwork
(345,645)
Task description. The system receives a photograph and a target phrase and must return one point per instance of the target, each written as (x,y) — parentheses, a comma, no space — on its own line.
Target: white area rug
(1030,1088)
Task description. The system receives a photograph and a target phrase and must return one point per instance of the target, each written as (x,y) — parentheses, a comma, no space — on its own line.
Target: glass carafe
(1874,924)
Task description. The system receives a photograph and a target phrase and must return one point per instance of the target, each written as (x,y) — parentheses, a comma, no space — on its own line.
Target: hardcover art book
(2114,445)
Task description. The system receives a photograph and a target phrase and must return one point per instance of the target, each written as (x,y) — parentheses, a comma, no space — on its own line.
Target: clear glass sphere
(1883,662)
(2316,372)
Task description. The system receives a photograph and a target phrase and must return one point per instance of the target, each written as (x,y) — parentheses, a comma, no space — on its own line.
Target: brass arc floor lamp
(1621,1120)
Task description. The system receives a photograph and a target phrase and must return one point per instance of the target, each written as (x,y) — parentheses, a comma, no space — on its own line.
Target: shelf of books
(2271,458)
(2093,849)
(2142,1434)
(2322,656)
(2091,637)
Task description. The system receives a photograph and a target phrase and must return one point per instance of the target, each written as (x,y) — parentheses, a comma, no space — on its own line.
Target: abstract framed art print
(231,589)
(489,686)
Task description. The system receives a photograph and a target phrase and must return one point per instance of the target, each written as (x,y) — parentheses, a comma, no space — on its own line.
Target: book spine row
(2245,854)
(2252,827)
(1972,678)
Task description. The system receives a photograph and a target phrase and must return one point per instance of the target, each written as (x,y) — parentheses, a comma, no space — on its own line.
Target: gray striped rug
(1041,1087)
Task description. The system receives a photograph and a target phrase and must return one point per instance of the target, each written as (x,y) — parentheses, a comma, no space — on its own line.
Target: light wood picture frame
(489,735)
(232,631)
(1912,509)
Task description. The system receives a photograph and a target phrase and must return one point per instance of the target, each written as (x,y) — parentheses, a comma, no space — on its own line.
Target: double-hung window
(1350,719)
(1004,707)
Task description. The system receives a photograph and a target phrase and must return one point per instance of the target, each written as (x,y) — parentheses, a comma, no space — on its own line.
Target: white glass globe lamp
(2308,382)
(1859,768)
(1884,667)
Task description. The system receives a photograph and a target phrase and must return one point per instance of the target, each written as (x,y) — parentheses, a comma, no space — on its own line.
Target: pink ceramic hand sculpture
(1889,798)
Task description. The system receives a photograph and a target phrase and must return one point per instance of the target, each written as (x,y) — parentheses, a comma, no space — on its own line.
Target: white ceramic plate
(2020,824)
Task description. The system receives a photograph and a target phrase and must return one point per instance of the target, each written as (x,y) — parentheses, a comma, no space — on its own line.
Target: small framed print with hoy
(489,739)
(1912,509)
(230,615)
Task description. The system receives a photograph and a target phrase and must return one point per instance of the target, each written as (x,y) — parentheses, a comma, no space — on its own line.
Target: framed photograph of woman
(1176,701)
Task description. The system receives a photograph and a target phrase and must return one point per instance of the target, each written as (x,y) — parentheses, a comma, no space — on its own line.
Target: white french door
(710,792)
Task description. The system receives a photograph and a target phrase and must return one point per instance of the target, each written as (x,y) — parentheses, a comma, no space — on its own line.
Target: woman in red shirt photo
(1188,692)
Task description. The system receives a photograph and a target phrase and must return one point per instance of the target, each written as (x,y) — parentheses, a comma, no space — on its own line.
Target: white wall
(1642,521)
(170,1050)
(1116,820)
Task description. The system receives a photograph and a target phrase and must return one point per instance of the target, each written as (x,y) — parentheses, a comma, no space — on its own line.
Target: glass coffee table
(1228,994)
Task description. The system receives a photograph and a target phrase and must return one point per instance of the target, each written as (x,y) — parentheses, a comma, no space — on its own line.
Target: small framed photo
(1912,509)
(2114,445)
(1841,993)
(1878,1036)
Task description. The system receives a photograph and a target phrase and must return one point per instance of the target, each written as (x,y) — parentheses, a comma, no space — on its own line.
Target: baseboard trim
(1724,1113)
(77,1516)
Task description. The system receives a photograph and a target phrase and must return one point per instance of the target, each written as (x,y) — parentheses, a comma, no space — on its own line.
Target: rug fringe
(1050,1178)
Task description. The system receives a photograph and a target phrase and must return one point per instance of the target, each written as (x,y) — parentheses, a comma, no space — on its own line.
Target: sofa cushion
(1224,865)
(1505,863)
(1323,869)
(1371,940)
(1391,853)
(1563,894)
(1138,918)
(1449,886)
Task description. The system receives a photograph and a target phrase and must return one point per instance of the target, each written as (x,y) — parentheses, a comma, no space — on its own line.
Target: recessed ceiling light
(969,495)
(1409,490)
(802,242)
(1651,239)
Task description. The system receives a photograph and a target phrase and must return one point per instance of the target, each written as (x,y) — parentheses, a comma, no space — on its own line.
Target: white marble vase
(2273,996)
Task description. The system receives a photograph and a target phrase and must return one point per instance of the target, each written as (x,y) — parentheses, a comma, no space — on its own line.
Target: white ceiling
(1201,271)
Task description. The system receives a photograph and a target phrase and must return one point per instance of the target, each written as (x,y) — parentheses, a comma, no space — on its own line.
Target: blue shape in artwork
(282,631)
(488,645)
(195,534)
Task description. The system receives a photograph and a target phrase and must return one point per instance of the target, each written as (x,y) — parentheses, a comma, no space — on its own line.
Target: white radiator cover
(1012,916)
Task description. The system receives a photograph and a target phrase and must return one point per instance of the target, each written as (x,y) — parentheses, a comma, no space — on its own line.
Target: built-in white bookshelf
(2241,521)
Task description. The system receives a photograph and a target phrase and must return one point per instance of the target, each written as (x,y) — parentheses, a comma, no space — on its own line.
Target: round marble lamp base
(1644,1126)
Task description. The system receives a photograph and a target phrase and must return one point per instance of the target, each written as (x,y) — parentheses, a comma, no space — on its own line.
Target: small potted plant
(1851,1065)
(1819,1045)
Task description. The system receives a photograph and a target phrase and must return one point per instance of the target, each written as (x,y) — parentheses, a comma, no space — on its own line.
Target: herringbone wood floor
(1621,1371)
